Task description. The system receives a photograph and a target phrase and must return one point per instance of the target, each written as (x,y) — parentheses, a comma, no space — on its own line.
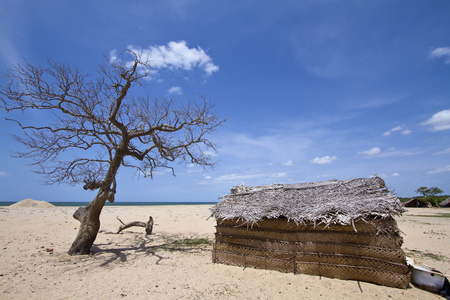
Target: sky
(311,90)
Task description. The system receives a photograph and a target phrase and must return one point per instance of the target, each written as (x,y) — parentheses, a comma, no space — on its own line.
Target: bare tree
(105,126)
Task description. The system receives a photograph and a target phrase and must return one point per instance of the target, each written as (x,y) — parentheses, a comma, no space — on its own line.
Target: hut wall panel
(352,260)
(342,254)
(371,226)
(346,272)
(268,263)
(247,251)
(368,239)
(393,255)
(328,258)
(257,262)
(373,275)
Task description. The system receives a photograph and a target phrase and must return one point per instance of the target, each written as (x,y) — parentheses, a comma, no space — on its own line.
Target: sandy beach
(175,261)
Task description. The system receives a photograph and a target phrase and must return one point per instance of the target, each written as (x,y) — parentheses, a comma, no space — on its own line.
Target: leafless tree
(95,117)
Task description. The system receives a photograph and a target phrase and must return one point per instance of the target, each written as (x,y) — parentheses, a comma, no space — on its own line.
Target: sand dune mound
(31,203)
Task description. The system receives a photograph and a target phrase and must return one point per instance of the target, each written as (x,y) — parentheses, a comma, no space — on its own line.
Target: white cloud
(398,153)
(175,90)
(387,175)
(210,153)
(440,170)
(324,160)
(3,174)
(398,128)
(439,121)
(441,52)
(177,55)
(192,168)
(113,55)
(388,133)
(289,163)
(239,178)
(270,148)
(406,132)
(371,152)
(376,152)
(445,151)
(10,53)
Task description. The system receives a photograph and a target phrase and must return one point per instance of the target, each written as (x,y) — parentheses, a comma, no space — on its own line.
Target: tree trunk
(86,236)
(89,217)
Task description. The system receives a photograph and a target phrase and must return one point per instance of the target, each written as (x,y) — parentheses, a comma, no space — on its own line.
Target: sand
(34,263)
(31,203)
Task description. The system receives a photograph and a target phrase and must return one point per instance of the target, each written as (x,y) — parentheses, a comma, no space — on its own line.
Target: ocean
(122,203)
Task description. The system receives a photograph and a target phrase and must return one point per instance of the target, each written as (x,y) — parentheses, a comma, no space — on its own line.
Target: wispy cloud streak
(439,121)
(443,52)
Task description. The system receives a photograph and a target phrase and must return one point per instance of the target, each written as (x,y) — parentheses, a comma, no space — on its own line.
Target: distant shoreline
(65,204)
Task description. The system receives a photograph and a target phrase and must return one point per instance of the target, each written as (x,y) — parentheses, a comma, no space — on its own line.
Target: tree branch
(148,226)
(98,114)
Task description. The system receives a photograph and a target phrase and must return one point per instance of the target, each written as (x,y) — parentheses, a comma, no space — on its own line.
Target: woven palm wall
(336,251)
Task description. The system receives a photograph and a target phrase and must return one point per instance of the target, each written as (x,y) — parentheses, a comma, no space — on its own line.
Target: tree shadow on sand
(156,245)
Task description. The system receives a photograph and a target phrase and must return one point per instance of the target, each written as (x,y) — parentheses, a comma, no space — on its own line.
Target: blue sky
(312,90)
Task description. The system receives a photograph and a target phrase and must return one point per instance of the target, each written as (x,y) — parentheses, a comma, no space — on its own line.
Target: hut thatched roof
(329,202)
(414,202)
(445,203)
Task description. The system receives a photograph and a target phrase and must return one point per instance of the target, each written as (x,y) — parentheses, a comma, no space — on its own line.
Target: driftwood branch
(148,226)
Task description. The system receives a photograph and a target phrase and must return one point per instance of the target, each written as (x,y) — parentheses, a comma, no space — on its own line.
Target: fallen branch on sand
(148,226)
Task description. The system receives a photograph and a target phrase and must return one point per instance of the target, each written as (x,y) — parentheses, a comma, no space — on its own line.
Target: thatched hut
(445,203)
(339,229)
(414,202)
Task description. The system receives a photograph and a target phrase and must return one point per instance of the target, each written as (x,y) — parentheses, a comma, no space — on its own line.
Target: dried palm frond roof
(328,202)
